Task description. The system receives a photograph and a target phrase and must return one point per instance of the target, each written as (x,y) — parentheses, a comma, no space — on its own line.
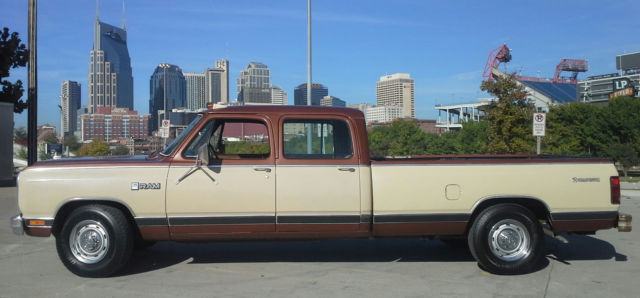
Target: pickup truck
(280,173)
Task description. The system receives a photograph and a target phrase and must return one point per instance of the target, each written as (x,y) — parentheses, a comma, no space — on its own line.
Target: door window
(310,138)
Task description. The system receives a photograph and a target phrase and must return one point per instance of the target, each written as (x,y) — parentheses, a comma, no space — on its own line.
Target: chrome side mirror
(203,155)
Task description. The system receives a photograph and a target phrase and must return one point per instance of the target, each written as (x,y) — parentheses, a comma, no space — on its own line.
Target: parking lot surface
(601,265)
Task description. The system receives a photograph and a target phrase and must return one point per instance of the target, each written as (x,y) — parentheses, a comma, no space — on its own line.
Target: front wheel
(507,239)
(95,241)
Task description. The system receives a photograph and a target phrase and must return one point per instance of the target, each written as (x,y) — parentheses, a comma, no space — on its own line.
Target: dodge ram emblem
(141,186)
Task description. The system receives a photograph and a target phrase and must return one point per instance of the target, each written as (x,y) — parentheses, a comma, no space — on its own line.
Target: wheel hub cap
(509,240)
(89,241)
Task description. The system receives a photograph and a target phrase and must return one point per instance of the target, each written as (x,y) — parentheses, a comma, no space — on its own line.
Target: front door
(234,195)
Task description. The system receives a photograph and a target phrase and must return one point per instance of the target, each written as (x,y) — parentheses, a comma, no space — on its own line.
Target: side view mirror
(203,155)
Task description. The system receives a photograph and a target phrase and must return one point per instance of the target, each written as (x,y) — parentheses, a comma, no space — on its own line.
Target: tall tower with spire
(110,80)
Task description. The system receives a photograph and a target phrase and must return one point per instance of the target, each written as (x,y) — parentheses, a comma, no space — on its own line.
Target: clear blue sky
(442,44)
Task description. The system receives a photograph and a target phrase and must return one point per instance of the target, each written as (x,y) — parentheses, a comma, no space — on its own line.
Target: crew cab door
(235,192)
(318,188)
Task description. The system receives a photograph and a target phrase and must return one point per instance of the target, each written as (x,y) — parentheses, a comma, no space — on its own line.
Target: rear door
(318,172)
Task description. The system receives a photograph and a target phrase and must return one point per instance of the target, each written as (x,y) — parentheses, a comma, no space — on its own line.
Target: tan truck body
(275,197)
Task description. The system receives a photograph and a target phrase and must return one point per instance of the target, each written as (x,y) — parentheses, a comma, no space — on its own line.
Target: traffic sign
(539,124)
(166,123)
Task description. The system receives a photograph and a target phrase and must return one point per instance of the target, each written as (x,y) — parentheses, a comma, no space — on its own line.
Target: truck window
(329,139)
(232,139)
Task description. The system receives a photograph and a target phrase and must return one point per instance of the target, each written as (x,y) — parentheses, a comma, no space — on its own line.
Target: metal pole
(538,146)
(32,93)
(164,94)
(309,130)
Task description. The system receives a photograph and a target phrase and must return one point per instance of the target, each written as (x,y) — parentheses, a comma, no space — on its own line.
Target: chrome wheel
(509,240)
(89,241)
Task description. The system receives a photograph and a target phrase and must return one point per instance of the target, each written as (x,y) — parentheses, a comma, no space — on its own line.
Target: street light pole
(164,94)
(32,95)
(309,128)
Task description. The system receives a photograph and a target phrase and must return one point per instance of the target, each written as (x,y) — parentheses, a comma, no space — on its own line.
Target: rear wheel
(95,241)
(507,239)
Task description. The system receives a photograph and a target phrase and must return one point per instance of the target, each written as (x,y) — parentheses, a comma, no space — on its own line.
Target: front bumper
(17,224)
(624,222)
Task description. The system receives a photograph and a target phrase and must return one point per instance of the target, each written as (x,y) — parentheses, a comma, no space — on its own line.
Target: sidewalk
(629,186)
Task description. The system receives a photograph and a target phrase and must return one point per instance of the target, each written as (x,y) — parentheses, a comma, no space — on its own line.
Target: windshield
(177,141)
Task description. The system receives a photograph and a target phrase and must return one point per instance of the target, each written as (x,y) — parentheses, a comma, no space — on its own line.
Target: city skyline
(442,46)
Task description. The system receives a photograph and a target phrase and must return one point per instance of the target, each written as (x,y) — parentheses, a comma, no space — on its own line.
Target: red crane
(503,54)
(496,56)
(572,65)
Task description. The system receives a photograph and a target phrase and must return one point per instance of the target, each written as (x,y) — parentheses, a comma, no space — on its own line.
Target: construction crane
(503,54)
(496,56)
(572,65)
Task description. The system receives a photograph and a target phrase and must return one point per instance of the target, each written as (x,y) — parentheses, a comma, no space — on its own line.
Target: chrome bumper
(624,222)
(17,224)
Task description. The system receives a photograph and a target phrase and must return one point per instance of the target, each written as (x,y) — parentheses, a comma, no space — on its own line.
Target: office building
(396,90)
(113,124)
(254,84)
(318,91)
(382,114)
(223,65)
(168,90)
(278,96)
(110,80)
(332,101)
(70,103)
(196,90)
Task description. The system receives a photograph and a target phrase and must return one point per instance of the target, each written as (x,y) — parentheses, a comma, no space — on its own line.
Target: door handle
(347,169)
(262,170)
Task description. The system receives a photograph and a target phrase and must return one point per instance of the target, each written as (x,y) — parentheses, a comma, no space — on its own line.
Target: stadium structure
(542,92)
(626,82)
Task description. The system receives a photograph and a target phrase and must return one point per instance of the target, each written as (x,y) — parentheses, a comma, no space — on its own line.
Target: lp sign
(539,124)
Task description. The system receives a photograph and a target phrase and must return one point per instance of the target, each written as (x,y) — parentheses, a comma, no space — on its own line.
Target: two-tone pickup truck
(262,173)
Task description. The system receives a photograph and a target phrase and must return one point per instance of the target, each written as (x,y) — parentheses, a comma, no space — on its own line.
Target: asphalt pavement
(602,265)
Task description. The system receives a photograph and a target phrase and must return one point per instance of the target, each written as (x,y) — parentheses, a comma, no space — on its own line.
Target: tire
(95,241)
(507,239)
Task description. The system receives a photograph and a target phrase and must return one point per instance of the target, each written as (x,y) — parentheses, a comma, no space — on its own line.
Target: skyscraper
(318,91)
(110,79)
(254,83)
(168,90)
(332,101)
(70,103)
(224,80)
(196,90)
(278,96)
(396,90)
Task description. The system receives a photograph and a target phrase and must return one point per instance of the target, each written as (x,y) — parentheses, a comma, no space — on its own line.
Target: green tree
(95,148)
(20,136)
(623,115)
(71,141)
(402,137)
(578,129)
(509,118)
(51,139)
(625,155)
(472,138)
(13,54)
(120,150)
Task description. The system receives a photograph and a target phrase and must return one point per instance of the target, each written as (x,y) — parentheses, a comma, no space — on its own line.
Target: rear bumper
(624,222)
(17,224)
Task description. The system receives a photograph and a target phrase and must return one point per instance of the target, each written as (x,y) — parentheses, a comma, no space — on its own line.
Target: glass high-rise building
(254,84)
(318,91)
(168,90)
(110,79)
(196,90)
(70,103)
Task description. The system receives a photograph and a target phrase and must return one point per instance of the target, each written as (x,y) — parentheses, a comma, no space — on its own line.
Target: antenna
(124,17)
(97,9)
